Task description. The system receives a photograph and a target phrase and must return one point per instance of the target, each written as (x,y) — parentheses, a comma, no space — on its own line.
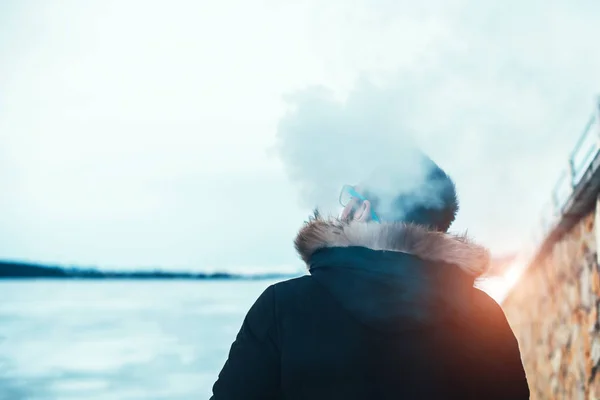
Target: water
(118,340)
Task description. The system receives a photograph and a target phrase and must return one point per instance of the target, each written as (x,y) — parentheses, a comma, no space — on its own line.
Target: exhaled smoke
(414,190)
(325,144)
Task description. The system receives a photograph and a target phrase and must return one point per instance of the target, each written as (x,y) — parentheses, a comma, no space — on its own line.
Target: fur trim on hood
(417,240)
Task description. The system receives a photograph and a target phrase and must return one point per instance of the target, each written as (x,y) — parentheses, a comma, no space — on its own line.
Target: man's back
(328,354)
(374,324)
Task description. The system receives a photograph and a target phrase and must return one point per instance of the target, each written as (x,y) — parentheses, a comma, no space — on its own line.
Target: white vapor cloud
(499,100)
(325,144)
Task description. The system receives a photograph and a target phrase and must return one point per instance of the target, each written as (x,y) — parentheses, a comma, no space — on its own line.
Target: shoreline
(27,271)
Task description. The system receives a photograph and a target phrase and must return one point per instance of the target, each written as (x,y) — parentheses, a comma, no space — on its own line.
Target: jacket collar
(319,233)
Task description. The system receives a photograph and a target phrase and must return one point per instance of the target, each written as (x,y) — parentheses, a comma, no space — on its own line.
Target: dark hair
(412,207)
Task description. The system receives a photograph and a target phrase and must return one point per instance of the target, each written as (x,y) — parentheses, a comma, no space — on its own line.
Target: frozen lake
(117,339)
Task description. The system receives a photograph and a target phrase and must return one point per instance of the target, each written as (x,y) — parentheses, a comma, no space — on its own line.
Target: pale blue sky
(140,133)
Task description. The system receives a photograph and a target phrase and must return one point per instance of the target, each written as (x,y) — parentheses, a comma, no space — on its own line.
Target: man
(388,311)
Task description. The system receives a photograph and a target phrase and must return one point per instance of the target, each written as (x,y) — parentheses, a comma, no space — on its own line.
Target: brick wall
(553,310)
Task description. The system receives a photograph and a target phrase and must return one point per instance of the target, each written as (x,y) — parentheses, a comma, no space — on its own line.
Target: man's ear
(364,212)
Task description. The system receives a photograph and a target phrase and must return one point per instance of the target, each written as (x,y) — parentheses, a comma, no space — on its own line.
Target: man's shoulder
(294,295)
(489,318)
(294,282)
(294,285)
(485,306)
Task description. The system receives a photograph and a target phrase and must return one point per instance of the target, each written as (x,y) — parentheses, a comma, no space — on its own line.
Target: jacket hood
(319,233)
(392,276)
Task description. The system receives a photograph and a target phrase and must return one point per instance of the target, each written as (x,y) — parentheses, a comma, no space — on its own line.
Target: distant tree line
(18,270)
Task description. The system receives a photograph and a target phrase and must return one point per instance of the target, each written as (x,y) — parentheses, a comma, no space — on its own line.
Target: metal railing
(583,154)
(585,151)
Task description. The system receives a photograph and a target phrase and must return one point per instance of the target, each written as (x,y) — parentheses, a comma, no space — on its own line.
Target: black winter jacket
(388,311)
